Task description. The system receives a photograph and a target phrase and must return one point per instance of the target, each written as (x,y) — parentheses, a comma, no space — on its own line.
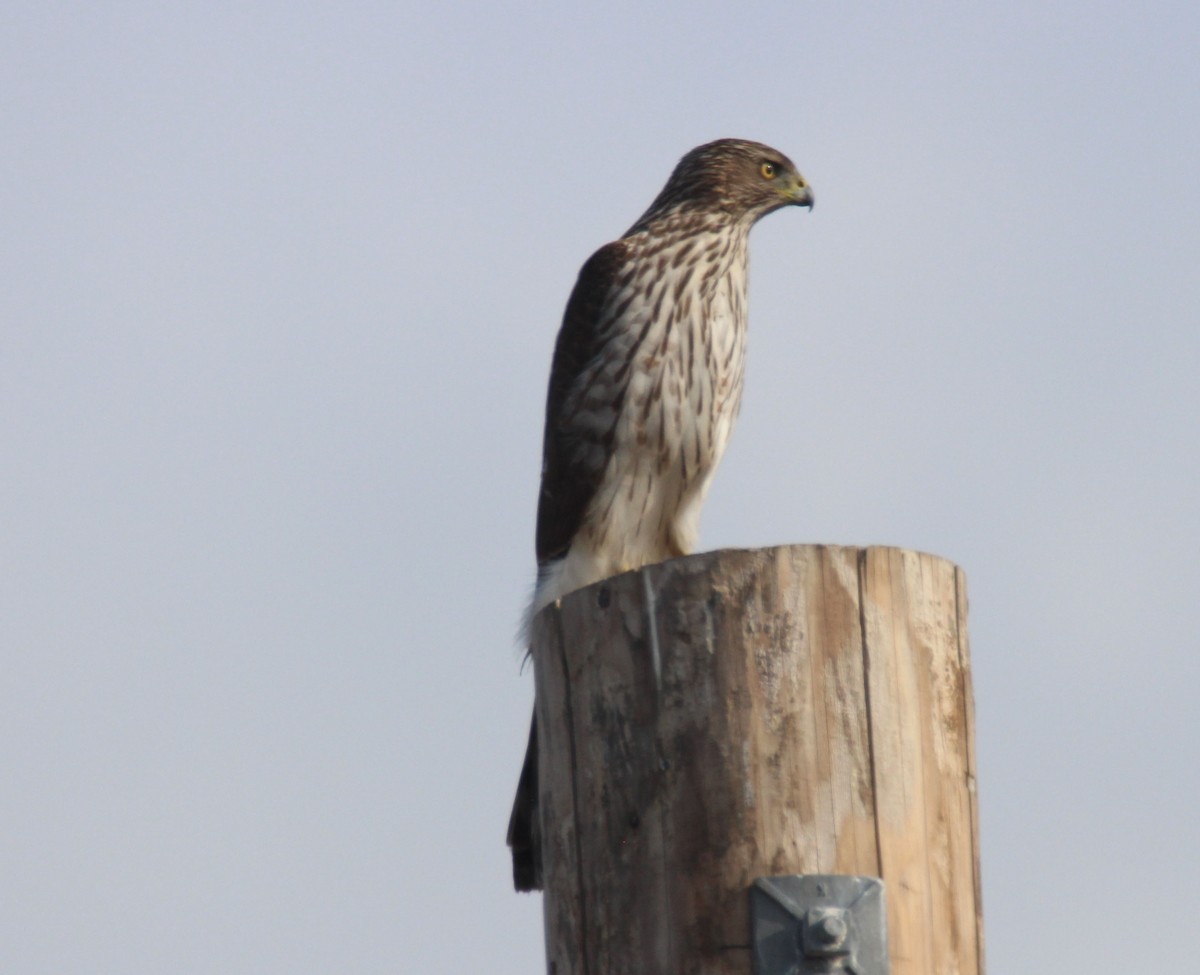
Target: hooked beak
(800,193)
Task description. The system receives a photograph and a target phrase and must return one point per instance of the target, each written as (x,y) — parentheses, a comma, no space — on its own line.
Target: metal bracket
(819,923)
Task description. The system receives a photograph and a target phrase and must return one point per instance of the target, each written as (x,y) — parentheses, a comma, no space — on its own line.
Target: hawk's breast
(681,359)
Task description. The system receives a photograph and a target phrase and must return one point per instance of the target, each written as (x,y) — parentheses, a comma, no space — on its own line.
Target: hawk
(645,385)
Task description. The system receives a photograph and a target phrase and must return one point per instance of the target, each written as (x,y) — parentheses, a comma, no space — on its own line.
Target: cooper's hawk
(644,390)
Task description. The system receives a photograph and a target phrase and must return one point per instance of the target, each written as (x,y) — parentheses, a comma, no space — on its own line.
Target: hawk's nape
(645,386)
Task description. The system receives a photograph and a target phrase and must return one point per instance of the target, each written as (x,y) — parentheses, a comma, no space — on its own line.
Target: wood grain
(804,709)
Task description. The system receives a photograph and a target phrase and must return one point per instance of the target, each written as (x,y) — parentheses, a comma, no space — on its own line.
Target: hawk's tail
(525,825)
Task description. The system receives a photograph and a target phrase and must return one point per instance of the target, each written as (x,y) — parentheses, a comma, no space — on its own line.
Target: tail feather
(525,825)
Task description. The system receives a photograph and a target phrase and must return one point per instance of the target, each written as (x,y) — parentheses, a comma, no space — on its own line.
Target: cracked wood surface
(713,719)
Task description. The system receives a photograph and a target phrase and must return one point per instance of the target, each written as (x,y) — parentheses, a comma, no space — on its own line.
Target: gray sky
(282,282)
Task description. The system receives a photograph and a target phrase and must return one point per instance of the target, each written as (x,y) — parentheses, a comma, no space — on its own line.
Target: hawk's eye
(768,170)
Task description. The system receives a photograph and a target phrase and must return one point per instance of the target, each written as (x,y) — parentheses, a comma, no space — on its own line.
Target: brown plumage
(645,386)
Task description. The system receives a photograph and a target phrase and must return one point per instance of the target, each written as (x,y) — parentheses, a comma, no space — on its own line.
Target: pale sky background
(281,283)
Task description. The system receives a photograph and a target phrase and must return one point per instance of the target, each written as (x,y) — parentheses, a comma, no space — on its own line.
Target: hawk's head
(746,179)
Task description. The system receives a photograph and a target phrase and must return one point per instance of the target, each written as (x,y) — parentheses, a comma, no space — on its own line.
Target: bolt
(829,932)
(825,932)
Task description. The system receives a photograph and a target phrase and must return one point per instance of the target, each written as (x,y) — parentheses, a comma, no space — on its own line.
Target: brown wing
(572,466)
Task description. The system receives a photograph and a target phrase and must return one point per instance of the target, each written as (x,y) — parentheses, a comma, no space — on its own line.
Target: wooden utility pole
(741,714)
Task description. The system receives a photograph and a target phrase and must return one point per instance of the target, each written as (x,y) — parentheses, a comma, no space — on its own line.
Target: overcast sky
(281,283)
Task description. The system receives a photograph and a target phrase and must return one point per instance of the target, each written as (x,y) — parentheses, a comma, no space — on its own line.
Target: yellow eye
(768,170)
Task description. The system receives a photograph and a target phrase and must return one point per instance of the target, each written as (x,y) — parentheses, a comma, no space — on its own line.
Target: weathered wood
(714,719)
